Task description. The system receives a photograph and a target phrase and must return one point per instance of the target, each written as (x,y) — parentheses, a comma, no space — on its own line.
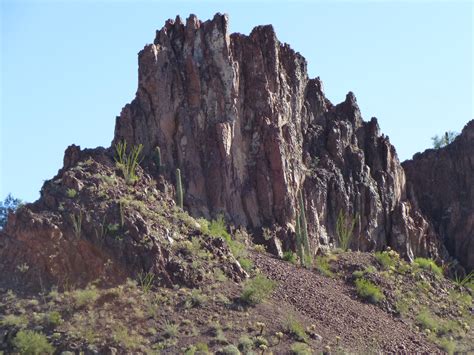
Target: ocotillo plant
(158,158)
(179,189)
(344,228)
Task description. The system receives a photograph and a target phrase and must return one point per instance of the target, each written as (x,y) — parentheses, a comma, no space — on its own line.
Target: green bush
(429,264)
(71,193)
(85,296)
(257,289)
(426,320)
(245,344)
(289,256)
(299,348)
(385,259)
(246,264)
(28,342)
(53,318)
(296,330)
(230,350)
(369,291)
(323,267)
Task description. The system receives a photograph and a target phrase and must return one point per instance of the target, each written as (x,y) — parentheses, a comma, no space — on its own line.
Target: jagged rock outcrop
(90,225)
(249,129)
(441,182)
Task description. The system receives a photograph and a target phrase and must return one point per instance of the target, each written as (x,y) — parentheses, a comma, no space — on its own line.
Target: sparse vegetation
(368,290)
(323,266)
(257,289)
(146,281)
(85,296)
(429,264)
(71,193)
(299,348)
(10,204)
(444,140)
(385,260)
(295,329)
(289,256)
(32,343)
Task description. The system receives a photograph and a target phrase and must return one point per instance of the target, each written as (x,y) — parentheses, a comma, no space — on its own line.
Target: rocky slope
(90,225)
(250,130)
(441,182)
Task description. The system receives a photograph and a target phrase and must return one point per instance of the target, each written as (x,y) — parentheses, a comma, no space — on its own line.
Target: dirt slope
(333,307)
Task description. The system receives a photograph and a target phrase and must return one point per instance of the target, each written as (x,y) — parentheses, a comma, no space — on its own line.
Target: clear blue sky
(68,67)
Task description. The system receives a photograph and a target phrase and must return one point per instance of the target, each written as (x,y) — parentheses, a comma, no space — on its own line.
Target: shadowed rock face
(249,130)
(441,182)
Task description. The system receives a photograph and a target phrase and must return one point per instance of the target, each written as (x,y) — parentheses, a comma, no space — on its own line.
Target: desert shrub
(429,264)
(245,344)
(145,280)
(259,248)
(295,329)
(289,256)
(218,228)
(385,260)
(32,343)
(257,289)
(246,264)
(14,321)
(299,348)
(426,320)
(170,330)
(198,348)
(196,299)
(302,240)
(368,290)
(85,296)
(323,267)
(466,281)
(444,140)
(126,339)
(71,193)
(53,318)
(230,350)
(447,345)
(10,204)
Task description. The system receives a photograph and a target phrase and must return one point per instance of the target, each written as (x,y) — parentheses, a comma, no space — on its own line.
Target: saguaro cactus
(179,189)
(158,158)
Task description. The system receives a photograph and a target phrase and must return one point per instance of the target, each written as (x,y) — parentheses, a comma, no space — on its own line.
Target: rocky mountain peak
(250,130)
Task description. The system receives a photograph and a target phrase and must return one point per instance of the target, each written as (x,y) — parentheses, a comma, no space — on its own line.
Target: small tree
(447,138)
(10,204)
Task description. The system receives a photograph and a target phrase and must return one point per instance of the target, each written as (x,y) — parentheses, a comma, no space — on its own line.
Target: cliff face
(249,130)
(441,182)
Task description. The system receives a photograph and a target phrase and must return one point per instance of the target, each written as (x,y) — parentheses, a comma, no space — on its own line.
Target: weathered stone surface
(248,129)
(441,183)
